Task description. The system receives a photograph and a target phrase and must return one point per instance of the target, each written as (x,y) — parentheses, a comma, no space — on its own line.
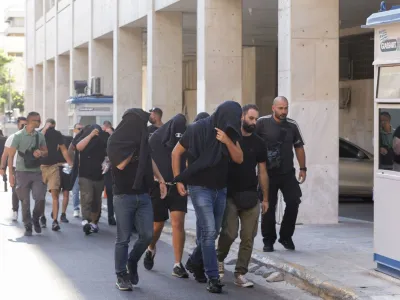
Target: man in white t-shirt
(21,122)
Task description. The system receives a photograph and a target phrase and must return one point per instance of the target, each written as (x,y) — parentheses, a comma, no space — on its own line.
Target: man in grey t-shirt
(29,178)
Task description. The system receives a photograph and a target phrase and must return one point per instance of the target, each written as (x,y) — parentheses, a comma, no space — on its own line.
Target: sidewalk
(331,261)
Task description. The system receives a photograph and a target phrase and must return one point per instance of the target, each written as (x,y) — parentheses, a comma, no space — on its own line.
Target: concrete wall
(82,22)
(64,30)
(103,19)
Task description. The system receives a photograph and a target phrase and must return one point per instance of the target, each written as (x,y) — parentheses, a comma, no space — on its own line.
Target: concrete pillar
(62,93)
(249,79)
(128,46)
(101,63)
(49,88)
(164,62)
(79,67)
(309,77)
(38,89)
(28,103)
(219,53)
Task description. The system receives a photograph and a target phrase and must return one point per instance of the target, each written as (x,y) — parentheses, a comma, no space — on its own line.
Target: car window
(347,150)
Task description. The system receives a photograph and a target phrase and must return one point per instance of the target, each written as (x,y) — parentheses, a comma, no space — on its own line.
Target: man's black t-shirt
(212,178)
(243,177)
(123,180)
(396,134)
(279,138)
(54,139)
(151,129)
(66,141)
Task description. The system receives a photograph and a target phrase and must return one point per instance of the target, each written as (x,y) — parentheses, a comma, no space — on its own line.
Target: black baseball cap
(157,111)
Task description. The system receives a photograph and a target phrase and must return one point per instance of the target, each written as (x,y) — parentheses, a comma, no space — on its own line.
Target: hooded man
(162,142)
(132,171)
(210,143)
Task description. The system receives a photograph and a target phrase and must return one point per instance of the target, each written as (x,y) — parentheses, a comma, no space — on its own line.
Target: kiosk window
(389,139)
(388,83)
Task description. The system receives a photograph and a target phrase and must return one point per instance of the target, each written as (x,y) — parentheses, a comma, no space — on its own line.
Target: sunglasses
(79,128)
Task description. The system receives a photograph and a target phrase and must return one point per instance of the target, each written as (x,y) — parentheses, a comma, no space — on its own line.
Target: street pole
(9,88)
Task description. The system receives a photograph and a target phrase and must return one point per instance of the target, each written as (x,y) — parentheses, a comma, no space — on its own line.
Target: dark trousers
(15,200)
(108,184)
(289,186)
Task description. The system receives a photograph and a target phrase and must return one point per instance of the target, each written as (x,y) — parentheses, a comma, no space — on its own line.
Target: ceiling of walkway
(260,19)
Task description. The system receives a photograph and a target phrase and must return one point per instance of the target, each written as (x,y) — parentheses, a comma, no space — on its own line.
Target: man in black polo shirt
(280,135)
(155,120)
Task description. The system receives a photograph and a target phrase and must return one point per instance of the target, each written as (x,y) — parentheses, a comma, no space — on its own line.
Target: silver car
(356,170)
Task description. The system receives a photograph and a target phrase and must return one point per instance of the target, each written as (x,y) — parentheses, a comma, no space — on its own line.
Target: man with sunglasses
(30,144)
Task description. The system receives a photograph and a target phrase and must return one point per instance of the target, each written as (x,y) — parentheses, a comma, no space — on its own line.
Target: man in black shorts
(162,142)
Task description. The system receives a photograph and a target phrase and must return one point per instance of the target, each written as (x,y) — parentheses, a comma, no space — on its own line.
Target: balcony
(13,12)
(14,31)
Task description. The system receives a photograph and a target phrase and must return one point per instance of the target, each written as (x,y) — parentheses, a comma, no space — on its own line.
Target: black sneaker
(94,228)
(123,283)
(132,271)
(64,219)
(148,260)
(180,271)
(37,226)
(28,230)
(287,243)
(111,221)
(43,222)
(268,247)
(214,286)
(87,229)
(197,271)
(55,226)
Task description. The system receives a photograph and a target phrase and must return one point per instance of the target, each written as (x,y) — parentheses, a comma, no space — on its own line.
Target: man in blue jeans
(132,170)
(210,143)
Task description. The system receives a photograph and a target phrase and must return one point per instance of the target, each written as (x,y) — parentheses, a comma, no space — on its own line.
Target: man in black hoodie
(210,143)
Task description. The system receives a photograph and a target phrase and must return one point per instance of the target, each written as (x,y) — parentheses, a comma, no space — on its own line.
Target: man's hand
(383,151)
(94,133)
(222,137)
(47,126)
(109,131)
(2,172)
(11,180)
(163,190)
(264,207)
(302,176)
(37,153)
(181,189)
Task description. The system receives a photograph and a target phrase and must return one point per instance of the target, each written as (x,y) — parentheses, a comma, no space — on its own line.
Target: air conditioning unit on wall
(95,86)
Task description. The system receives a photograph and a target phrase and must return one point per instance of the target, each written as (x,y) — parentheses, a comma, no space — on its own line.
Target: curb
(313,282)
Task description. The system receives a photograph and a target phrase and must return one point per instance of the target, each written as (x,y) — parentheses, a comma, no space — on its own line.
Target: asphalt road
(358,209)
(70,265)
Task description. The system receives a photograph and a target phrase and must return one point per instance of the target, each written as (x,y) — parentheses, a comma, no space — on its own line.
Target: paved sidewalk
(331,261)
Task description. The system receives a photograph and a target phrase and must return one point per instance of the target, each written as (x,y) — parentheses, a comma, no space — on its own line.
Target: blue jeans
(75,194)
(209,206)
(132,210)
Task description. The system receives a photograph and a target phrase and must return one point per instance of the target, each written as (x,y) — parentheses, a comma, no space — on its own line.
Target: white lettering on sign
(389,45)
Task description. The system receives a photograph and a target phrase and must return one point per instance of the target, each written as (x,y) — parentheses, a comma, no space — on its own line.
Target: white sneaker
(77,214)
(242,281)
(221,269)
(15,216)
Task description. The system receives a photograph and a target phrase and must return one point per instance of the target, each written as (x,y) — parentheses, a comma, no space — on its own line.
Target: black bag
(30,161)
(274,151)
(245,200)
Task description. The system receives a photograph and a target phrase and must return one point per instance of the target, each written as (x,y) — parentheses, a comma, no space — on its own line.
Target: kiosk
(386,120)
(89,110)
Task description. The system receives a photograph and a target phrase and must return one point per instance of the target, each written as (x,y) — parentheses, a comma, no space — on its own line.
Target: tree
(5,86)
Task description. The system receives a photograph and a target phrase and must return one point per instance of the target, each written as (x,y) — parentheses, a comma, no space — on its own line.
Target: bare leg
(65,201)
(178,234)
(157,230)
(56,205)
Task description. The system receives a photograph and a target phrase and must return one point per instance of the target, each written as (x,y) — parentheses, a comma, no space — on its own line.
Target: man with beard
(281,135)
(31,146)
(210,143)
(155,120)
(132,171)
(242,201)
(21,122)
(162,142)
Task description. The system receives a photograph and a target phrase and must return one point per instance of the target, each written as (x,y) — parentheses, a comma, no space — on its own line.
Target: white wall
(356,123)
(130,11)
(39,45)
(30,32)
(81,22)
(64,30)
(51,38)
(160,4)
(103,17)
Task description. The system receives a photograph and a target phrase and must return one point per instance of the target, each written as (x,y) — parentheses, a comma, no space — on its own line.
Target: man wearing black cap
(155,120)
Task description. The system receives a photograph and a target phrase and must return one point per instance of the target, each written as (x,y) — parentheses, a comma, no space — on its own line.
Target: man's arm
(263,179)
(235,151)
(161,181)
(11,153)
(3,165)
(83,143)
(65,154)
(301,158)
(176,166)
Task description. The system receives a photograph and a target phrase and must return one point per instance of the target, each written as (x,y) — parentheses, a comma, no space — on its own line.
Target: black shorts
(173,202)
(65,181)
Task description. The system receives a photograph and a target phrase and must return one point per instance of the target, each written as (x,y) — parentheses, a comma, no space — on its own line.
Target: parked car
(356,170)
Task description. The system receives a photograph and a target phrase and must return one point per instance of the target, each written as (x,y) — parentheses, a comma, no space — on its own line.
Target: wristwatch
(303,169)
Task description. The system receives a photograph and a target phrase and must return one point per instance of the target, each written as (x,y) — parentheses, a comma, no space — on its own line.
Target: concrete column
(128,46)
(309,77)
(101,63)
(49,95)
(62,92)
(79,67)
(38,89)
(249,78)
(164,62)
(219,53)
(28,103)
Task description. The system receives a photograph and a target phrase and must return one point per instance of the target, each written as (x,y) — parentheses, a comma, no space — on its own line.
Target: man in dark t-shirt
(242,201)
(155,120)
(396,150)
(281,135)
(50,170)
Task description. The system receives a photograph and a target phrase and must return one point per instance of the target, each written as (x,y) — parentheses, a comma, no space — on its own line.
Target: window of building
(388,82)
(15,54)
(389,139)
